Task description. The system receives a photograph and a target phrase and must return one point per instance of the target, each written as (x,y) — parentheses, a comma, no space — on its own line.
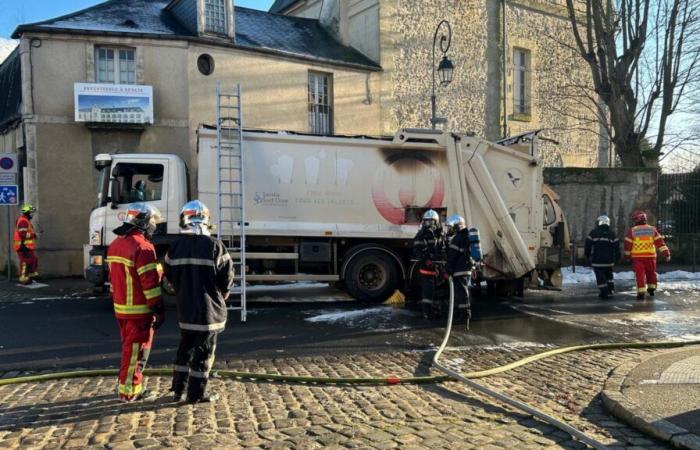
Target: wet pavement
(65,326)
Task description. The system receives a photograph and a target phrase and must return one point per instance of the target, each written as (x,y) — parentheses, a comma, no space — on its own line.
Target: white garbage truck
(345,210)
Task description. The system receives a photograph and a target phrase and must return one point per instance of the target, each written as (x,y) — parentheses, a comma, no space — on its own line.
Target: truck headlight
(96,260)
(96,237)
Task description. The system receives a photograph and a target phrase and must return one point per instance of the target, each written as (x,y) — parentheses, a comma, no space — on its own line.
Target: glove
(23,248)
(158,315)
(668,259)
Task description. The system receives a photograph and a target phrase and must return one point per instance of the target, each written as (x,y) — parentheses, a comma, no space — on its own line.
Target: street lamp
(444,69)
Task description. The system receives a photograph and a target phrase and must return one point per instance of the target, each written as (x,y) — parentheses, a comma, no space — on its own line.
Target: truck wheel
(371,276)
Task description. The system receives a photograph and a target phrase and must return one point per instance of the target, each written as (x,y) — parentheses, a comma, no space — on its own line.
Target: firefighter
(25,245)
(428,247)
(641,243)
(201,272)
(603,251)
(459,262)
(135,284)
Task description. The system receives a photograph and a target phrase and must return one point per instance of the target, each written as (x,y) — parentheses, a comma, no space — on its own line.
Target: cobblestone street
(83,413)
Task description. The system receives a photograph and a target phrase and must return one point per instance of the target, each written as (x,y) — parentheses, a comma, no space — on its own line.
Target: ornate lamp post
(444,69)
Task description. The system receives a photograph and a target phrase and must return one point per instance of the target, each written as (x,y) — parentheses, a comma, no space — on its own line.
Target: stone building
(326,67)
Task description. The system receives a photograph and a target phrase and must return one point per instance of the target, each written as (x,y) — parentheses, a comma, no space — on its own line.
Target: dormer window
(215,16)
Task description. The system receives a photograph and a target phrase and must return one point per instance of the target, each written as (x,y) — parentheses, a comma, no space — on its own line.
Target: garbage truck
(345,210)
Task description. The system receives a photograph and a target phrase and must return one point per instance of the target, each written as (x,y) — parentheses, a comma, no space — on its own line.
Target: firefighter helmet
(195,217)
(603,220)
(27,209)
(143,216)
(639,216)
(431,218)
(455,223)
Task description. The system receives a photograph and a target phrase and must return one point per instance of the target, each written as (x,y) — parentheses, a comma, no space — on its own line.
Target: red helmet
(639,217)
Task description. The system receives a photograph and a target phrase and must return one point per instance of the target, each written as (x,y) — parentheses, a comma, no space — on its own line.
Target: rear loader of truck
(344,210)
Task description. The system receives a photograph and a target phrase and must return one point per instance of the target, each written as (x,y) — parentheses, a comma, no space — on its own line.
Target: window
(139,182)
(521,81)
(215,16)
(116,65)
(320,103)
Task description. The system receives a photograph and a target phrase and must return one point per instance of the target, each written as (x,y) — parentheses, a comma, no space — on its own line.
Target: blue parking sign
(9,195)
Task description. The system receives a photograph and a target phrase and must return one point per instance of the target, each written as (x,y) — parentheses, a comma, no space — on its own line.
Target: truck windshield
(102,186)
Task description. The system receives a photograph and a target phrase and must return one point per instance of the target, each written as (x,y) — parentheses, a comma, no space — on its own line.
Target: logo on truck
(406,181)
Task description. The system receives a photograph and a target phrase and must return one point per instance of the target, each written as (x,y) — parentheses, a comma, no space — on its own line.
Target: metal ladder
(231,185)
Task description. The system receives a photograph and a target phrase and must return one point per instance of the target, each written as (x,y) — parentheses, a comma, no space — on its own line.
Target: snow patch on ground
(6,47)
(586,275)
(286,286)
(377,318)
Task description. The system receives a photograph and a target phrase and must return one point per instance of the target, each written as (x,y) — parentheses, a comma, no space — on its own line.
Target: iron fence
(678,218)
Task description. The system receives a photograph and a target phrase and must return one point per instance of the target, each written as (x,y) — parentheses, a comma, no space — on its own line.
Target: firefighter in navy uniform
(603,251)
(428,247)
(459,262)
(135,286)
(201,272)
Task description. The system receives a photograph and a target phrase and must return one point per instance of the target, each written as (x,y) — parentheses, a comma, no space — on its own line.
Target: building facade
(334,67)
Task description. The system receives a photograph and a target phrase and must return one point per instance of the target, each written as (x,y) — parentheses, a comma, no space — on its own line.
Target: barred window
(521,81)
(215,16)
(320,103)
(115,65)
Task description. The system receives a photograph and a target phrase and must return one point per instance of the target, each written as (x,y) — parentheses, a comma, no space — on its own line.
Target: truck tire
(371,276)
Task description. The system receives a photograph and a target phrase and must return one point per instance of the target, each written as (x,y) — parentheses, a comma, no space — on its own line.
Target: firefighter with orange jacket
(25,245)
(135,278)
(641,243)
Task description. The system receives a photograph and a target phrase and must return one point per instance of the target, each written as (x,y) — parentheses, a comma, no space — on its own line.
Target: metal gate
(679,214)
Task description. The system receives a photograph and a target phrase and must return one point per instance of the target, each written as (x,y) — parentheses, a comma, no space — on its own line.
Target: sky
(15,12)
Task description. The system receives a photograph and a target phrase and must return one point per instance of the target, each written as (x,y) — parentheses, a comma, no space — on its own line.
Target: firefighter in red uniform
(641,243)
(135,278)
(25,245)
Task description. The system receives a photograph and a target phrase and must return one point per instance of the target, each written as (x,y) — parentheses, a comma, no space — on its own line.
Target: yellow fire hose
(450,375)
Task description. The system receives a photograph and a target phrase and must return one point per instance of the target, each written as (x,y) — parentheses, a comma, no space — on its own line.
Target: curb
(633,414)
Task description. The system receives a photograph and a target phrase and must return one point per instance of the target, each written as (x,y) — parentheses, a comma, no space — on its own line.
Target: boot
(178,386)
(640,296)
(611,288)
(603,293)
(206,398)
(651,292)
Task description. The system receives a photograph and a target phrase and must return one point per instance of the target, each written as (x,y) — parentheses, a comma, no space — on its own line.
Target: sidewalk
(659,395)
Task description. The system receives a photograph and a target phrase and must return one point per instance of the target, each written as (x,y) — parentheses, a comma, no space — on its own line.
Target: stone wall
(474,100)
(588,193)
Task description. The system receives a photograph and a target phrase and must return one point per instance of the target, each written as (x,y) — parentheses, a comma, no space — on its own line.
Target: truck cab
(157,179)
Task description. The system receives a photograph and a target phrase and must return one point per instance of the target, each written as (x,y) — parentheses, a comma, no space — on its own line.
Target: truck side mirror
(114,193)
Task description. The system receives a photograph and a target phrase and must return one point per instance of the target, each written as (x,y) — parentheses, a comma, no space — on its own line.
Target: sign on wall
(8,163)
(113,103)
(9,195)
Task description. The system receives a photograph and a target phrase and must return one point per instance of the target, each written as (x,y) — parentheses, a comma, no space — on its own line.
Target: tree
(644,57)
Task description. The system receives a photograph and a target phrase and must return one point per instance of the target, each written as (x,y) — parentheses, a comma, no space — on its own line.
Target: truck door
(142,181)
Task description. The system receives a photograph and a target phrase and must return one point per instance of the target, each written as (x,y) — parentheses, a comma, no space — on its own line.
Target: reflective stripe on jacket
(134,275)
(459,254)
(201,271)
(602,247)
(24,234)
(642,241)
